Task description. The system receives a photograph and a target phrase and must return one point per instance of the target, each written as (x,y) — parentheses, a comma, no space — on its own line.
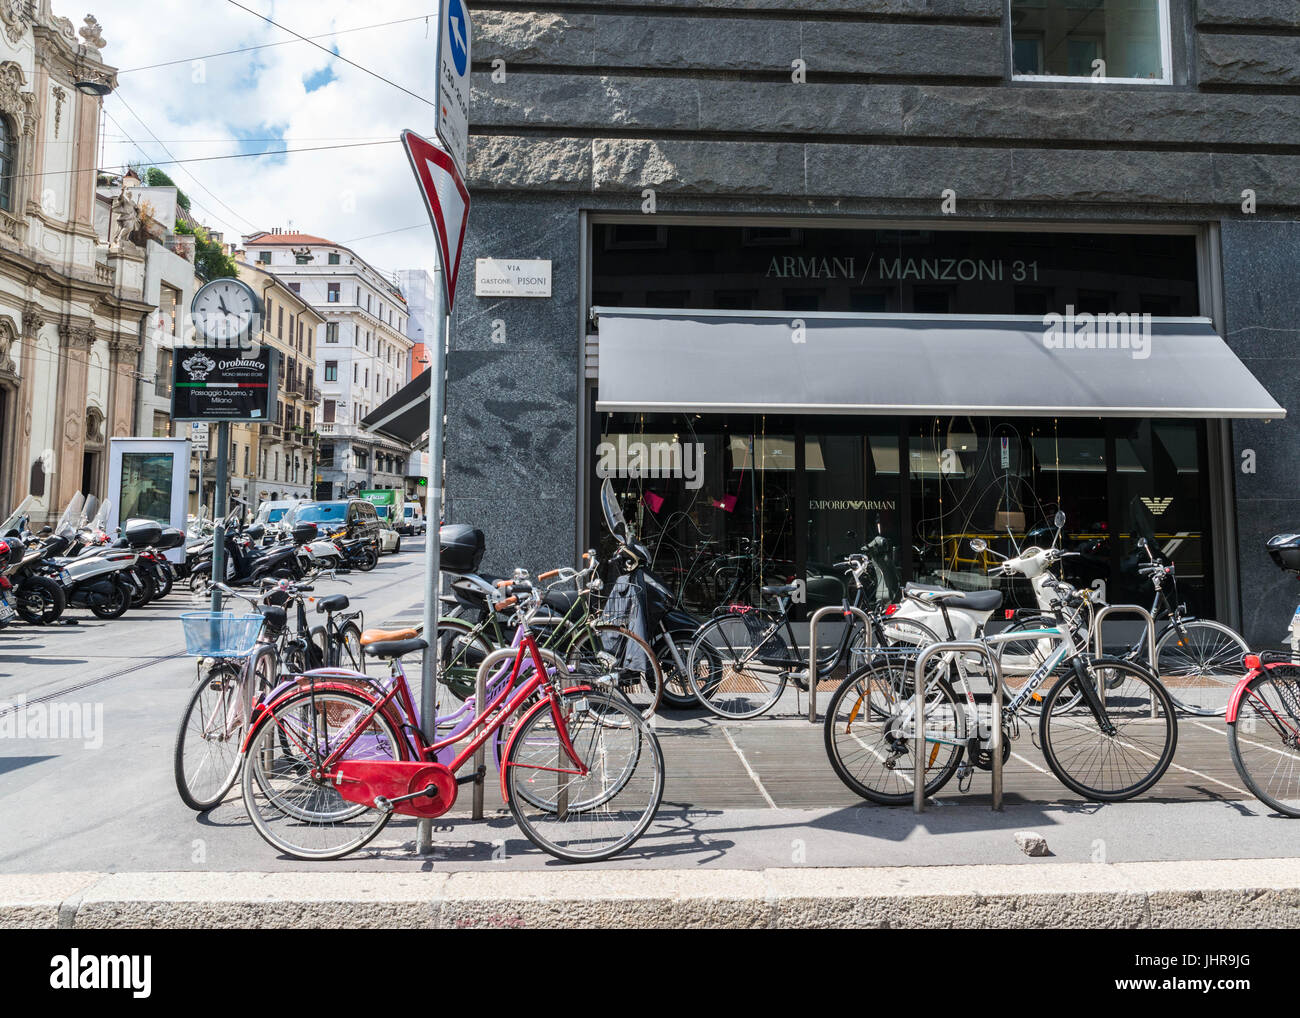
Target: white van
(412,519)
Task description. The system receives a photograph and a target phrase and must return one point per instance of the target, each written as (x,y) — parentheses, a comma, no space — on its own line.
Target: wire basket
(221,634)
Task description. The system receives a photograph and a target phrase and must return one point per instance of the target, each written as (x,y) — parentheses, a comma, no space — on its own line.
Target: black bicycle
(742,659)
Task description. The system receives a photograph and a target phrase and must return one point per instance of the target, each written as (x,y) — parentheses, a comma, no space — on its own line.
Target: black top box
(142,533)
(461,548)
(1285,549)
(304,533)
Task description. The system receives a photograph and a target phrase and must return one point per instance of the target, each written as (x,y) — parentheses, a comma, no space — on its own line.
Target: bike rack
(1130,609)
(830,609)
(995,676)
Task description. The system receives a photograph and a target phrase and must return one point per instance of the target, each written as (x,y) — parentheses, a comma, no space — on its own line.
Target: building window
(264,257)
(302,259)
(1103,40)
(326,456)
(333,293)
(279,324)
(331,371)
(334,258)
(162,425)
(332,332)
(162,379)
(296,287)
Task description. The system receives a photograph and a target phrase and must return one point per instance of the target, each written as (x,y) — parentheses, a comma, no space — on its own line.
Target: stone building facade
(615,121)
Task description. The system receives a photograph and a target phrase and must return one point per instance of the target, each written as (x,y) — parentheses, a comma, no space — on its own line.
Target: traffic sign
(445,198)
(452,92)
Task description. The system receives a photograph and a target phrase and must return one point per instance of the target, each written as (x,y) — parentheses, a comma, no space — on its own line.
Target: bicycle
(1117,745)
(741,660)
(330,763)
(1198,659)
(572,629)
(1263,718)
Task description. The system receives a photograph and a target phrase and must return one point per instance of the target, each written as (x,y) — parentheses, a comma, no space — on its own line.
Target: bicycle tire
(1055,729)
(1280,758)
(643,687)
(282,822)
(722,687)
(677,692)
(345,650)
(644,788)
(1205,695)
(891,746)
(462,648)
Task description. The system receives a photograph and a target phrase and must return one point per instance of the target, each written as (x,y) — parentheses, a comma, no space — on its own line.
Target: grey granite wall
(903,99)
(1262,289)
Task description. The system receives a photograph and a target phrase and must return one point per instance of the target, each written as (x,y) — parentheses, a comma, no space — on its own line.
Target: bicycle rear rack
(995,727)
(818,615)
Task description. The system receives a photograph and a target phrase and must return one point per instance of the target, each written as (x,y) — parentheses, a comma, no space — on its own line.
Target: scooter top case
(142,533)
(172,537)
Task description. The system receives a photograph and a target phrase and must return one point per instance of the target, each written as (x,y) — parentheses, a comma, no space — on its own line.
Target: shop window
(1100,40)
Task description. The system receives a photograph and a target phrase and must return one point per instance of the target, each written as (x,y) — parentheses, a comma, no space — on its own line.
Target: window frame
(1166,57)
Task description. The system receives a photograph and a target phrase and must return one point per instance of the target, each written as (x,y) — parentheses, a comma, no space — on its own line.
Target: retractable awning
(815,362)
(404,416)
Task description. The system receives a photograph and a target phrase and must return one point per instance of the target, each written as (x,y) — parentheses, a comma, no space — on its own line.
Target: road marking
(1040,770)
(748,769)
(1249,742)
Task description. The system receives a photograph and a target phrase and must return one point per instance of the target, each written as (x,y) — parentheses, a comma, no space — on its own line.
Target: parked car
(390,540)
(354,516)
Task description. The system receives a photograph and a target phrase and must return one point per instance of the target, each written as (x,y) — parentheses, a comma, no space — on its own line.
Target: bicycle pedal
(478,775)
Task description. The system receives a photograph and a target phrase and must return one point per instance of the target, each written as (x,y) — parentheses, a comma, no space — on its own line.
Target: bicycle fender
(544,704)
(1234,701)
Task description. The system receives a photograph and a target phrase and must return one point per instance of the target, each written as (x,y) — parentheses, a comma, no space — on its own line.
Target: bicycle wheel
(206,756)
(1200,664)
(734,674)
(302,815)
(346,652)
(1110,767)
(870,734)
(626,658)
(1020,660)
(592,816)
(1265,738)
(461,650)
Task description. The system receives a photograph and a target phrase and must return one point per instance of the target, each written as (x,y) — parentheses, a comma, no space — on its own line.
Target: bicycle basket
(220,634)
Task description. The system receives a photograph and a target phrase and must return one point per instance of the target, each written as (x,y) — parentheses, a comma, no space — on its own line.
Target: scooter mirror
(979,545)
(1142,543)
(1060,520)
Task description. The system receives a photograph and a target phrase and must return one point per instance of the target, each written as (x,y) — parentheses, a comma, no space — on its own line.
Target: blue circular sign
(458,35)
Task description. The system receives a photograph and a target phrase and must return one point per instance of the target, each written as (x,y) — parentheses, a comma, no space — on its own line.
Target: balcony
(293,387)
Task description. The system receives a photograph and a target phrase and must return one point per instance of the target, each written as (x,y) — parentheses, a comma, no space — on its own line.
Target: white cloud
(342,194)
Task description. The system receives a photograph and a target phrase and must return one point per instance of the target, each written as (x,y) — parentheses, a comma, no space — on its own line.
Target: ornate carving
(32,322)
(93,33)
(17,18)
(18,104)
(77,338)
(8,335)
(60,97)
(131,231)
(71,429)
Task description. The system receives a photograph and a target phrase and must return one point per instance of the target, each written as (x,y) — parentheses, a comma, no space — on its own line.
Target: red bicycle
(331,761)
(1264,730)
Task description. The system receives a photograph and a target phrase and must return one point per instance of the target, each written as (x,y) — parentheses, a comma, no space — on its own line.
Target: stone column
(70,420)
(21,466)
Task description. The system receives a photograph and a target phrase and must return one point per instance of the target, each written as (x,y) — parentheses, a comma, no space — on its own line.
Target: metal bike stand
(1130,609)
(918,740)
(819,614)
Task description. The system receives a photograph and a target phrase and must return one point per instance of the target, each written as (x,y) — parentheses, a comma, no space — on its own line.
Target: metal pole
(432,565)
(219,511)
(868,636)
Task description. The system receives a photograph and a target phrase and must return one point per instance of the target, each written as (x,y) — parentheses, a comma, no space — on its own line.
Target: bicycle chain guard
(364,781)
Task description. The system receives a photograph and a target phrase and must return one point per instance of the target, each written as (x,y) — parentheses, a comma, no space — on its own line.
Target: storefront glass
(728,503)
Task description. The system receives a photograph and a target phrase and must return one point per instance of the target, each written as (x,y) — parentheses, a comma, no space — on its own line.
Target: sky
(293,96)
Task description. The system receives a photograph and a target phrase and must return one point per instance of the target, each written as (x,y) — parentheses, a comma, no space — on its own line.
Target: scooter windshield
(70,517)
(17,516)
(613,514)
(88,511)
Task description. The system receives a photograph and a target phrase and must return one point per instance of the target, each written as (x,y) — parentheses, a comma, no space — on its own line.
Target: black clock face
(224,310)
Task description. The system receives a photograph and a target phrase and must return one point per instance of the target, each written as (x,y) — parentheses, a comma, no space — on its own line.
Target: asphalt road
(739,795)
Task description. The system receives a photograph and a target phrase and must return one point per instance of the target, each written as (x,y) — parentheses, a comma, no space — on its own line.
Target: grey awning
(404,416)
(900,364)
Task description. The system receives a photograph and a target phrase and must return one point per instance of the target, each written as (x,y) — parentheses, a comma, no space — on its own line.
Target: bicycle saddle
(371,636)
(333,603)
(394,648)
(561,600)
(975,600)
(781,589)
(276,617)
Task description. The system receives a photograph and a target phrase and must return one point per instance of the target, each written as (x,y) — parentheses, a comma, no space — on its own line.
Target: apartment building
(363,354)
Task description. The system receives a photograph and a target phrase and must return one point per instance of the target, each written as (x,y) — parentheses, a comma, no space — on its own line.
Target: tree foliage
(155,177)
(210,261)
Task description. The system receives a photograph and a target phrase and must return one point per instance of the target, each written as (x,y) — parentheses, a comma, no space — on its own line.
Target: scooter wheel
(40,601)
(115,606)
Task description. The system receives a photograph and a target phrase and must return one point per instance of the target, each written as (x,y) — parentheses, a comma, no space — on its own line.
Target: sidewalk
(1208,894)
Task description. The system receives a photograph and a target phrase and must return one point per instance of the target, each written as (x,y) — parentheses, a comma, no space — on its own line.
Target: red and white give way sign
(446,199)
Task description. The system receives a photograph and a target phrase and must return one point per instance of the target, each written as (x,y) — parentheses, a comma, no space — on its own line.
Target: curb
(1214,894)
